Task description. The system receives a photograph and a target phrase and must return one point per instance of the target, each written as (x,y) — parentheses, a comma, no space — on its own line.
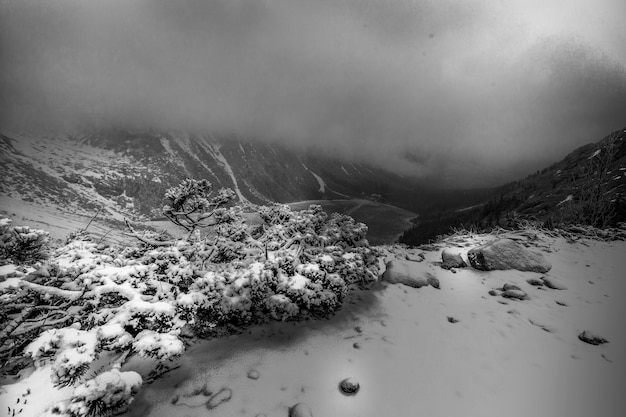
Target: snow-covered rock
(402,272)
(553,283)
(591,338)
(300,410)
(452,259)
(503,254)
(349,386)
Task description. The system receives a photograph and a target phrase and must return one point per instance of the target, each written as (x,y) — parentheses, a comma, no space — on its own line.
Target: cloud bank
(469,93)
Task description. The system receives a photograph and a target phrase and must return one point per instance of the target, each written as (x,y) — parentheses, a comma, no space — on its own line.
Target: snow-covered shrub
(309,263)
(21,244)
(192,203)
(74,349)
(107,393)
(160,346)
(137,301)
(113,337)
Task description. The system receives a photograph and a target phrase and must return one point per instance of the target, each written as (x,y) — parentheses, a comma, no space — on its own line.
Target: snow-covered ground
(500,357)
(59,223)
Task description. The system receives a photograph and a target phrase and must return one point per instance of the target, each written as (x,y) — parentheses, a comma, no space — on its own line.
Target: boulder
(503,254)
(403,272)
(452,259)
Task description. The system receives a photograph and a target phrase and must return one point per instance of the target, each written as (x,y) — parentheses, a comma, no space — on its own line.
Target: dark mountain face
(590,176)
(587,187)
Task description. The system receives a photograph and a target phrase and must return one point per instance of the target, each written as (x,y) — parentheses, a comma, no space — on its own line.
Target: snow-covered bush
(74,349)
(192,203)
(109,392)
(21,244)
(96,304)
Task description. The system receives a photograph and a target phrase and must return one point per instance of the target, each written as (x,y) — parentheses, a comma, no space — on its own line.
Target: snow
(502,356)
(158,345)
(570,197)
(298,282)
(596,153)
(498,358)
(319,179)
(214,149)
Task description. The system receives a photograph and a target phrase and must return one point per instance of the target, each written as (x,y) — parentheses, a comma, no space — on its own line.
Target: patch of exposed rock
(591,338)
(349,386)
(504,254)
(553,284)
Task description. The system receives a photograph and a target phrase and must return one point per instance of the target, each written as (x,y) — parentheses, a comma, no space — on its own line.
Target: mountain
(588,186)
(129,171)
(125,174)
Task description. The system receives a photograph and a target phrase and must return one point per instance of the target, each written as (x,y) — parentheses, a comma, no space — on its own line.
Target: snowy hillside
(129,171)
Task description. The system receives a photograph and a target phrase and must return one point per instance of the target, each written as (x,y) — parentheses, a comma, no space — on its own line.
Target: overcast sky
(475,91)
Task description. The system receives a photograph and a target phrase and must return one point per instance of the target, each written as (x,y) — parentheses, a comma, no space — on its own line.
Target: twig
(92,219)
(105,235)
(152,242)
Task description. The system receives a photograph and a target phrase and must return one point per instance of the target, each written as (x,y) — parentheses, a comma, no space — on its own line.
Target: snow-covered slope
(128,172)
(500,357)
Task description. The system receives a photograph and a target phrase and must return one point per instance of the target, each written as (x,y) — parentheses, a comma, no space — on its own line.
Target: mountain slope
(587,187)
(130,171)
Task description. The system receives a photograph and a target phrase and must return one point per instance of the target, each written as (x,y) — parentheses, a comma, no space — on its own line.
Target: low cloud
(469,94)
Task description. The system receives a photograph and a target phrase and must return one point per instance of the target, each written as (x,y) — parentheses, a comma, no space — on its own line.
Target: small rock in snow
(591,338)
(349,386)
(356,345)
(253,374)
(553,284)
(300,410)
(493,292)
(452,320)
(515,294)
(413,258)
(222,396)
(358,329)
(535,282)
(561,303)
(509,287)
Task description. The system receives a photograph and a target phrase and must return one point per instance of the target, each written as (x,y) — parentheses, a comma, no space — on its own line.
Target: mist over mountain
(477,92)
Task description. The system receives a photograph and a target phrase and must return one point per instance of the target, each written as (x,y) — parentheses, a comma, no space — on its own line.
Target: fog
(467,93)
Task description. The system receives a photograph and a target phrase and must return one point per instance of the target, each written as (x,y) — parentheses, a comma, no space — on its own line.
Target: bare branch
(152,242)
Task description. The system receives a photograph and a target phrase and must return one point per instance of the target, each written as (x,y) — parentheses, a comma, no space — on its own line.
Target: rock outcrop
(503,254)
